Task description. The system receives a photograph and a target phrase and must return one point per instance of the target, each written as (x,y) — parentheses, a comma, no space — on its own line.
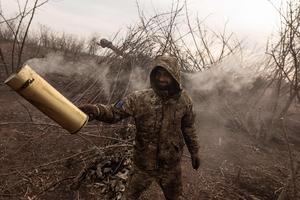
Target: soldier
(164,120)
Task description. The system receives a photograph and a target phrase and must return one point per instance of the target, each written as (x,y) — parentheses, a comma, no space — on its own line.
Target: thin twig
(291,158)
(106,137)
(31,123)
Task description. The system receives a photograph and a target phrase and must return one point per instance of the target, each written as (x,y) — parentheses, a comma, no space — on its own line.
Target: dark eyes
(161,73)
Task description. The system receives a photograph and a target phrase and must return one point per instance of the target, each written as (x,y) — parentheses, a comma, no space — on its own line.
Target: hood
(171,65)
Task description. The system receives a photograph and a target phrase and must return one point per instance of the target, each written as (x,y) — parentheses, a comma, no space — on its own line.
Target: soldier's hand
(195,161)
(91,110)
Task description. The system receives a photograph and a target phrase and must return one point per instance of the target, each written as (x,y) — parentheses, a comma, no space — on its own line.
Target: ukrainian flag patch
(119,104)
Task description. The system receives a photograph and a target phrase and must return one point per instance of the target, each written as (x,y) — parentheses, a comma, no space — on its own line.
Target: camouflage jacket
(163,125)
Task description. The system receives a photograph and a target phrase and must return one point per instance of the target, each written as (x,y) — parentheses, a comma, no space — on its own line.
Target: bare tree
(286,54)
(173,32)
(19,32)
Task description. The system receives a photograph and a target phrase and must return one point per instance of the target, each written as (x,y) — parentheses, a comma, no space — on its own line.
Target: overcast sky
(253,20)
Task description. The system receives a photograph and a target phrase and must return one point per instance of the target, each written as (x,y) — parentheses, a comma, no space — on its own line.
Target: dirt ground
(40,160)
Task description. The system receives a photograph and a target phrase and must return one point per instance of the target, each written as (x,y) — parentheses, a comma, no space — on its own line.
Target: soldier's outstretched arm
(190,136)
(122,109)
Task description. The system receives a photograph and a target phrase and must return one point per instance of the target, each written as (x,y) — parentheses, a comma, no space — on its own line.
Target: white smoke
(56,63)
(232,74)
(221,93)
(139,79)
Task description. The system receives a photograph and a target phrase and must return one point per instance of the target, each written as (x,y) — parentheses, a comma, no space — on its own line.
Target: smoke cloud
(232,74)
(85,70)
(225,93)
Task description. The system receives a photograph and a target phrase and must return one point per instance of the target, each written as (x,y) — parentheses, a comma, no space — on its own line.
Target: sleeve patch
(119,104)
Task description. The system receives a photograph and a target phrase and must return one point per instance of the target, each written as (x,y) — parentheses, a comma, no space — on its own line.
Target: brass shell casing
(47,99)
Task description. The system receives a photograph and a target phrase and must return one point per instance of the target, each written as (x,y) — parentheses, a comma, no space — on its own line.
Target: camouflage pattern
(168,179)
(164,123)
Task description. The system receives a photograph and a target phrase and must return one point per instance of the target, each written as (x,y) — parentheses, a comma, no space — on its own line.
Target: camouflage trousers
(169,180)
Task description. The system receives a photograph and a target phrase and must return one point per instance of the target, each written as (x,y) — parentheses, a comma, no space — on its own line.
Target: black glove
(195,161)
(91,110)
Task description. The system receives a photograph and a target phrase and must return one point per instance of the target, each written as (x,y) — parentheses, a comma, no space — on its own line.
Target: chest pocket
(178,115)
(148,118)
